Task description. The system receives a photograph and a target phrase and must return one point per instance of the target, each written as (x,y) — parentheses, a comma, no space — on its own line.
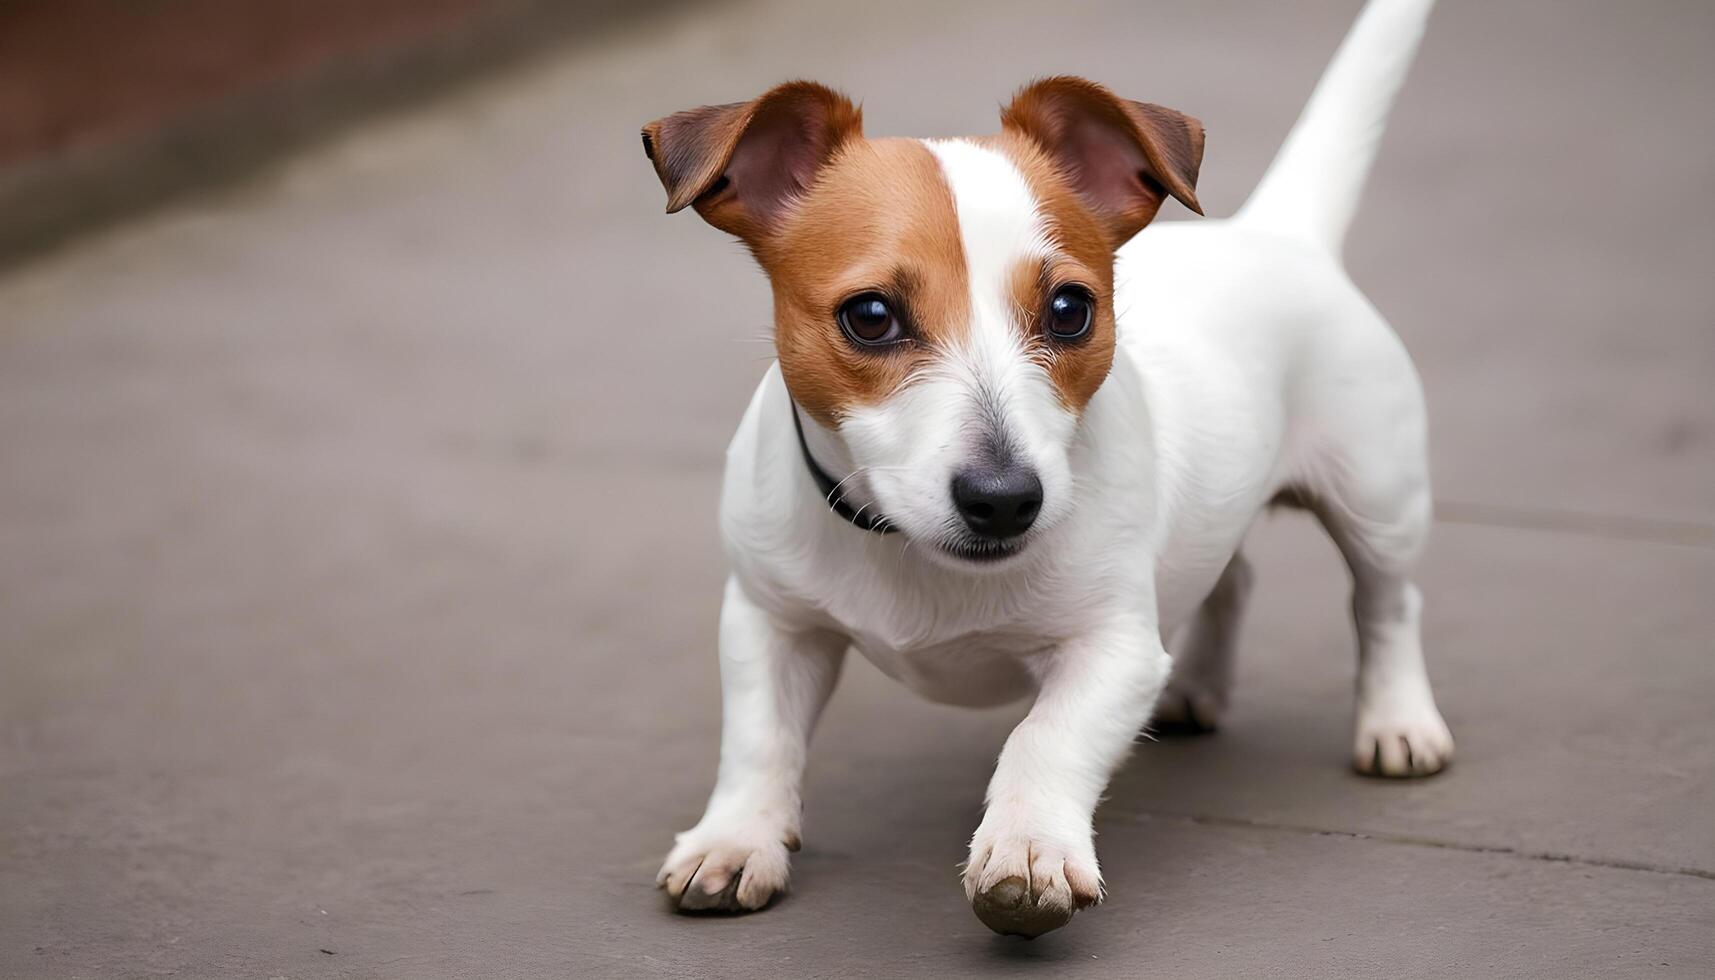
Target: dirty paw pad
(723,876)
(1019,887)
(1009,909)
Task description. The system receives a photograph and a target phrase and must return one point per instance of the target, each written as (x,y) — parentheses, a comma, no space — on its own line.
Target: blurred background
(360,426)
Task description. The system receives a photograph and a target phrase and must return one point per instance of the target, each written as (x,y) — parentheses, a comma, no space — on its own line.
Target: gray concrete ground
(358,570)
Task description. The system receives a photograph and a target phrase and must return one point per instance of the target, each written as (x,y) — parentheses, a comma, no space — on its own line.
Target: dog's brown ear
(741,164)
(1123,157)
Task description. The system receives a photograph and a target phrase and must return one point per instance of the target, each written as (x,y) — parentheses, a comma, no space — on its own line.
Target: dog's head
(944,307)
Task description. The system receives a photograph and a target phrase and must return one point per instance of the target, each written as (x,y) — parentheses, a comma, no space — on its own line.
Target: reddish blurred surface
(75,72)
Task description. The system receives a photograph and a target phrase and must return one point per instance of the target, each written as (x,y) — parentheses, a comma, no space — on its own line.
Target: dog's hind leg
(1367,481)
(1196,695)
(1399,730)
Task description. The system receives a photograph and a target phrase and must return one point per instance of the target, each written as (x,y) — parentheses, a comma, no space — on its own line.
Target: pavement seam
(1618,527)
(1412,840)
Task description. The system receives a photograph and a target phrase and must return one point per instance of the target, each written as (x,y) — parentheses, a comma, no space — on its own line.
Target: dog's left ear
(1123,157)
(741,165)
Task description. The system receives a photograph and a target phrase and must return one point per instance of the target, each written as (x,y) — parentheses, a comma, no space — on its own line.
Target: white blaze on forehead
(1000,220)
(1000,226)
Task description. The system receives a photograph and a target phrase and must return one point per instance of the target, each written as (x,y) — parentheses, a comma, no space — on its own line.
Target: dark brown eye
(869,320)
(1070,311)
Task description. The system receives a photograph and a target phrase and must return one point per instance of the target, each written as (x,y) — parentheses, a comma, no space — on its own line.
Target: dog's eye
(868,320)
(1069,313)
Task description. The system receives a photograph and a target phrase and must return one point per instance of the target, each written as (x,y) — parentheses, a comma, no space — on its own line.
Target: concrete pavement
(358,569)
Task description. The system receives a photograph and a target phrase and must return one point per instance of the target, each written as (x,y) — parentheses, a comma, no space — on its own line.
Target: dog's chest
(967,644)
(975,670)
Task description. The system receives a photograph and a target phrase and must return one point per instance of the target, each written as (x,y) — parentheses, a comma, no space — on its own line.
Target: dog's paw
(1400,743)
(726,869)
(1019,886)
(1187,710)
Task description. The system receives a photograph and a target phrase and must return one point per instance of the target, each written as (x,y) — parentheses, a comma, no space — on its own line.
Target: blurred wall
(111,106)
(84,71)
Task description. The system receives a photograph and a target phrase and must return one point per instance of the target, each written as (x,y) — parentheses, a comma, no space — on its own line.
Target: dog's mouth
(984,552)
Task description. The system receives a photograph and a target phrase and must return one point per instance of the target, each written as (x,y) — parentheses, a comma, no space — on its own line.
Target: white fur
(1247,362)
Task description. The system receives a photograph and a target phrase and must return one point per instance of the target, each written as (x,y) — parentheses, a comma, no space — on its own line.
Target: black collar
(830,487)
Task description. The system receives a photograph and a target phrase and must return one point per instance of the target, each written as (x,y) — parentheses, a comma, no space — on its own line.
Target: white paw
(727,868)
(1185,708)
(1025,886)
(1401,742)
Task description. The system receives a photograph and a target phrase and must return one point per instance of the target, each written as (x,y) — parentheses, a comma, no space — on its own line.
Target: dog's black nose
(998,502)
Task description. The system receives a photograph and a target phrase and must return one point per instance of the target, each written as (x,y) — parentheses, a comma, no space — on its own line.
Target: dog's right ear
(741,164)
(1124,158)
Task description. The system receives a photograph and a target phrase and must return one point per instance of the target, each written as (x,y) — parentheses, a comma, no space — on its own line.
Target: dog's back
(1254,346)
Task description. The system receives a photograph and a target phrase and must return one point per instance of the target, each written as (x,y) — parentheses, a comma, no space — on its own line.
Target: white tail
(1311,189)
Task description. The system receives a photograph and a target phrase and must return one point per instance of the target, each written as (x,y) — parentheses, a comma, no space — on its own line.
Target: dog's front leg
(774,682)
(1033,859)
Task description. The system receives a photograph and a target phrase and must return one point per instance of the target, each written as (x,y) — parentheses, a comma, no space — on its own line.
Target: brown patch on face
(1081,256)
(881,219)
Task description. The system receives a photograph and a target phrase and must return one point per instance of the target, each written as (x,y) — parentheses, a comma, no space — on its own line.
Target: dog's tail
(1311,189)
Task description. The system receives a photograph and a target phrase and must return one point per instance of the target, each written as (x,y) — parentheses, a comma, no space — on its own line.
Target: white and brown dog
(1067,426)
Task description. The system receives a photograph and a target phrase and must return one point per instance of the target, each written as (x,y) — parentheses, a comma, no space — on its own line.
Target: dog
(1011,447)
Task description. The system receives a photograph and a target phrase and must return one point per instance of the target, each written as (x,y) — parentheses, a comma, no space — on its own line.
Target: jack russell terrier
(1011,446)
